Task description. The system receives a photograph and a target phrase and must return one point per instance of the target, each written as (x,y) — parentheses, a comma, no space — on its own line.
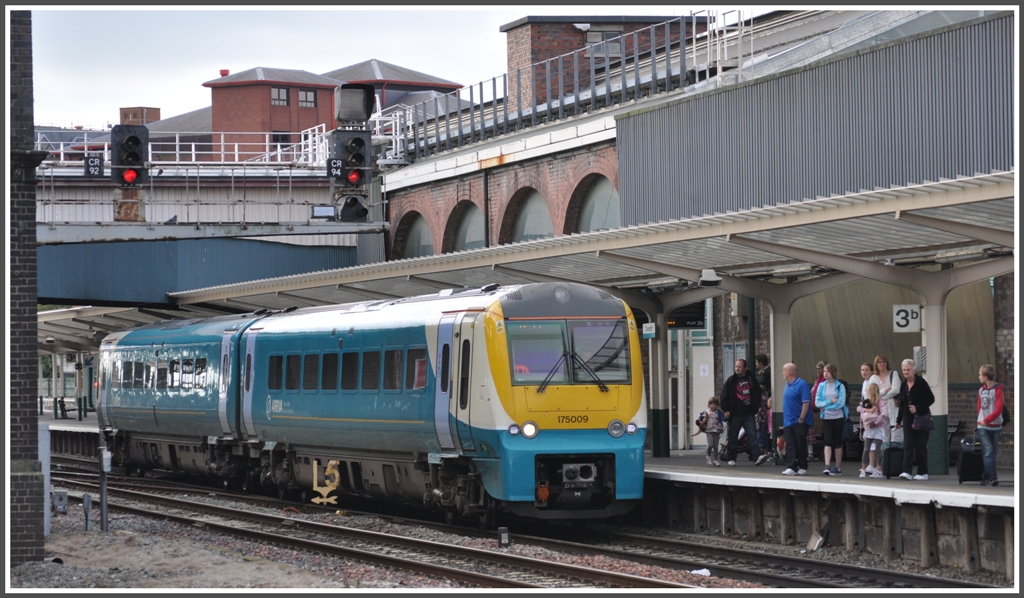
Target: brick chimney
(139,115)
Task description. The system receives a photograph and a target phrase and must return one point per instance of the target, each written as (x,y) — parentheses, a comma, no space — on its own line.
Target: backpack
(1006,415)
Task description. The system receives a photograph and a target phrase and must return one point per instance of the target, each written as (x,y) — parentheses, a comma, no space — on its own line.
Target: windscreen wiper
(586,368)
(551,374)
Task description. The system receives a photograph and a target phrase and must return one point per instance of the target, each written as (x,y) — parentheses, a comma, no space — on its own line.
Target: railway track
(769,569)
(471,566)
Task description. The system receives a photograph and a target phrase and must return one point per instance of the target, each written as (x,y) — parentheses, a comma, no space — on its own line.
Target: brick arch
(452,225)
(402,233)
(512,207)
(572,210)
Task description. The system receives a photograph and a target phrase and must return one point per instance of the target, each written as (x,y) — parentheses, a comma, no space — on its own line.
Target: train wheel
(486,520)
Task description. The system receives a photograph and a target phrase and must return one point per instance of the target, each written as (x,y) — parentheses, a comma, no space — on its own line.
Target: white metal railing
(305,149)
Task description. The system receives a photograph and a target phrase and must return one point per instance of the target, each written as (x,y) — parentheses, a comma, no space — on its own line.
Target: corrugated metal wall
(937,105)
(143,272)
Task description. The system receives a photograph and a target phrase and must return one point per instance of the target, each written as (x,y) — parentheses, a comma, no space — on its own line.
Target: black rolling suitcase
(969,467)
(892,459)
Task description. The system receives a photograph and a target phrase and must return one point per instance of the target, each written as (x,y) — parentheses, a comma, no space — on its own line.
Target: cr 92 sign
(906,318)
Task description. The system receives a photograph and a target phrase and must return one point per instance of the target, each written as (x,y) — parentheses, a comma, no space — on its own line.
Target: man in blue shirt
(796,418)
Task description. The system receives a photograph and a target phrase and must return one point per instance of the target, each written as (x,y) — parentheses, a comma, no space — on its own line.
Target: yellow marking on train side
(346,419)
(160,410)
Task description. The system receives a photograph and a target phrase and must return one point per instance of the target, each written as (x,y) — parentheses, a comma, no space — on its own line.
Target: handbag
(923,423)
(850,432)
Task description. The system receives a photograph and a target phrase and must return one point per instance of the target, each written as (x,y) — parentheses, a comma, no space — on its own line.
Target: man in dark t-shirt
(741,397)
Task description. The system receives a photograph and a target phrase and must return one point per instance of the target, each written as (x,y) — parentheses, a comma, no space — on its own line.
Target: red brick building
(281,102)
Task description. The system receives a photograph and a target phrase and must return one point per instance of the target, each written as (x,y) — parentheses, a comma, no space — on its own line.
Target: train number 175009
(573,419)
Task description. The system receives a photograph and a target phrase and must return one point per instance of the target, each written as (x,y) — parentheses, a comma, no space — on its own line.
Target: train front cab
(565,361)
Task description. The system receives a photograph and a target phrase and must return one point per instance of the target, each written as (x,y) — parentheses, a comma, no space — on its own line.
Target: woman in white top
(888,382)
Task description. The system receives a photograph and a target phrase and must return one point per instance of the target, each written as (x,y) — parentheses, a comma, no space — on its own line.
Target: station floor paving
(942,489)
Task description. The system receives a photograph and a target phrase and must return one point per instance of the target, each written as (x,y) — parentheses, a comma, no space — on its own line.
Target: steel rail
(559,570)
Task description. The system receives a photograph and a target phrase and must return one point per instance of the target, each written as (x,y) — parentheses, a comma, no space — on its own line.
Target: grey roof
(264,74)
(378,70)
(198,121)
(400,101)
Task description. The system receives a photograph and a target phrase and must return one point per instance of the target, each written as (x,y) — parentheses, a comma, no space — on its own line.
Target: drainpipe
(487,212)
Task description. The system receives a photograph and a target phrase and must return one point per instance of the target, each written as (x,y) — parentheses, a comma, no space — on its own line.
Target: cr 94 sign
(906,318)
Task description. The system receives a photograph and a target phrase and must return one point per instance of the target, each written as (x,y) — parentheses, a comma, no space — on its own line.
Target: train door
(248,367)
(225,380)
(462,394)
(443,383)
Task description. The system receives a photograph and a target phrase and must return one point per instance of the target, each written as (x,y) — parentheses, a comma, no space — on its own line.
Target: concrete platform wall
(929,535)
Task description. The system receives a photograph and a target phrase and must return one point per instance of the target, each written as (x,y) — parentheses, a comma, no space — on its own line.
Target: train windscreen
(544,350)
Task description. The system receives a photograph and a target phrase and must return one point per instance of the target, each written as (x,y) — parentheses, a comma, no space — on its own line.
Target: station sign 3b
(906,318)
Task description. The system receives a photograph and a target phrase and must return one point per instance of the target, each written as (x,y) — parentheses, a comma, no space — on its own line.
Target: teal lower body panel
(509,468)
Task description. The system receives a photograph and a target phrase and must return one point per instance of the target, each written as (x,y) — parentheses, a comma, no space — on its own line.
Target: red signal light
(354,177)
(130,175)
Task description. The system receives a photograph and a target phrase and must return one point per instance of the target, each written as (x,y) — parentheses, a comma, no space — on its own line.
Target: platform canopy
(932,224)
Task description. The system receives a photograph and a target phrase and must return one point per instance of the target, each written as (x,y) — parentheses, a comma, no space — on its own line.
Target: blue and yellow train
(526,399)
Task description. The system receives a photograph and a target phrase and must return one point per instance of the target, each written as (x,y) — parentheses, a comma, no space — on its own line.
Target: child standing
(874,422)
(713,420)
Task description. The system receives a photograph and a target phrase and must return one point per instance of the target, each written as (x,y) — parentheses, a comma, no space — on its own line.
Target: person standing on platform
(915,419)
(990,422)
(888,382)
(831,401)
(741,396)
(712,421)
(796,418)
(763,419)
(873,423)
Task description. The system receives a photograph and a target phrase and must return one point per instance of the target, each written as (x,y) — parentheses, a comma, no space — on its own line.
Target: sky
(87,63)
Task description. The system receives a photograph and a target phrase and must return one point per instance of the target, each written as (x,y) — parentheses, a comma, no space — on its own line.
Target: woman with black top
(915,400)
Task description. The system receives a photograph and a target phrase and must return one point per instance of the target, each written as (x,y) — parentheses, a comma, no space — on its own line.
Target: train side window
(126,374)
(150,374)
(292,370)
(416,369)
(349,371)
(464,376)
(371,370)
(139,371)
(187,374)
(175,374)
(310,371)
(329,373)
(161,374)
(224,374)
(274,367)
(393,369)
(115,375)
(446,357)
(200,372)
(248,372)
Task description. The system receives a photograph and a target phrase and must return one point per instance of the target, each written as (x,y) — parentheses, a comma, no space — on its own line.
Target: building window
(596,40)
(278,96)
(307,98)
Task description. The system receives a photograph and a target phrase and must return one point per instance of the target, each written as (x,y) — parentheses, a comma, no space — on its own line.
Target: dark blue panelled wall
(144,272)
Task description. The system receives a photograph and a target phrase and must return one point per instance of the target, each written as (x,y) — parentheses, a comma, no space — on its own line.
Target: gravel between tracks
(140,552)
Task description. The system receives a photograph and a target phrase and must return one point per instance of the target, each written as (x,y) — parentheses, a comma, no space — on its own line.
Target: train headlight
(616,428)
(530,430)
(631,428)
(514,430)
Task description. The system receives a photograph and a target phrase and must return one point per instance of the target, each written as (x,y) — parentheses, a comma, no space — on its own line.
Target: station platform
(940,490)
(690,466)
